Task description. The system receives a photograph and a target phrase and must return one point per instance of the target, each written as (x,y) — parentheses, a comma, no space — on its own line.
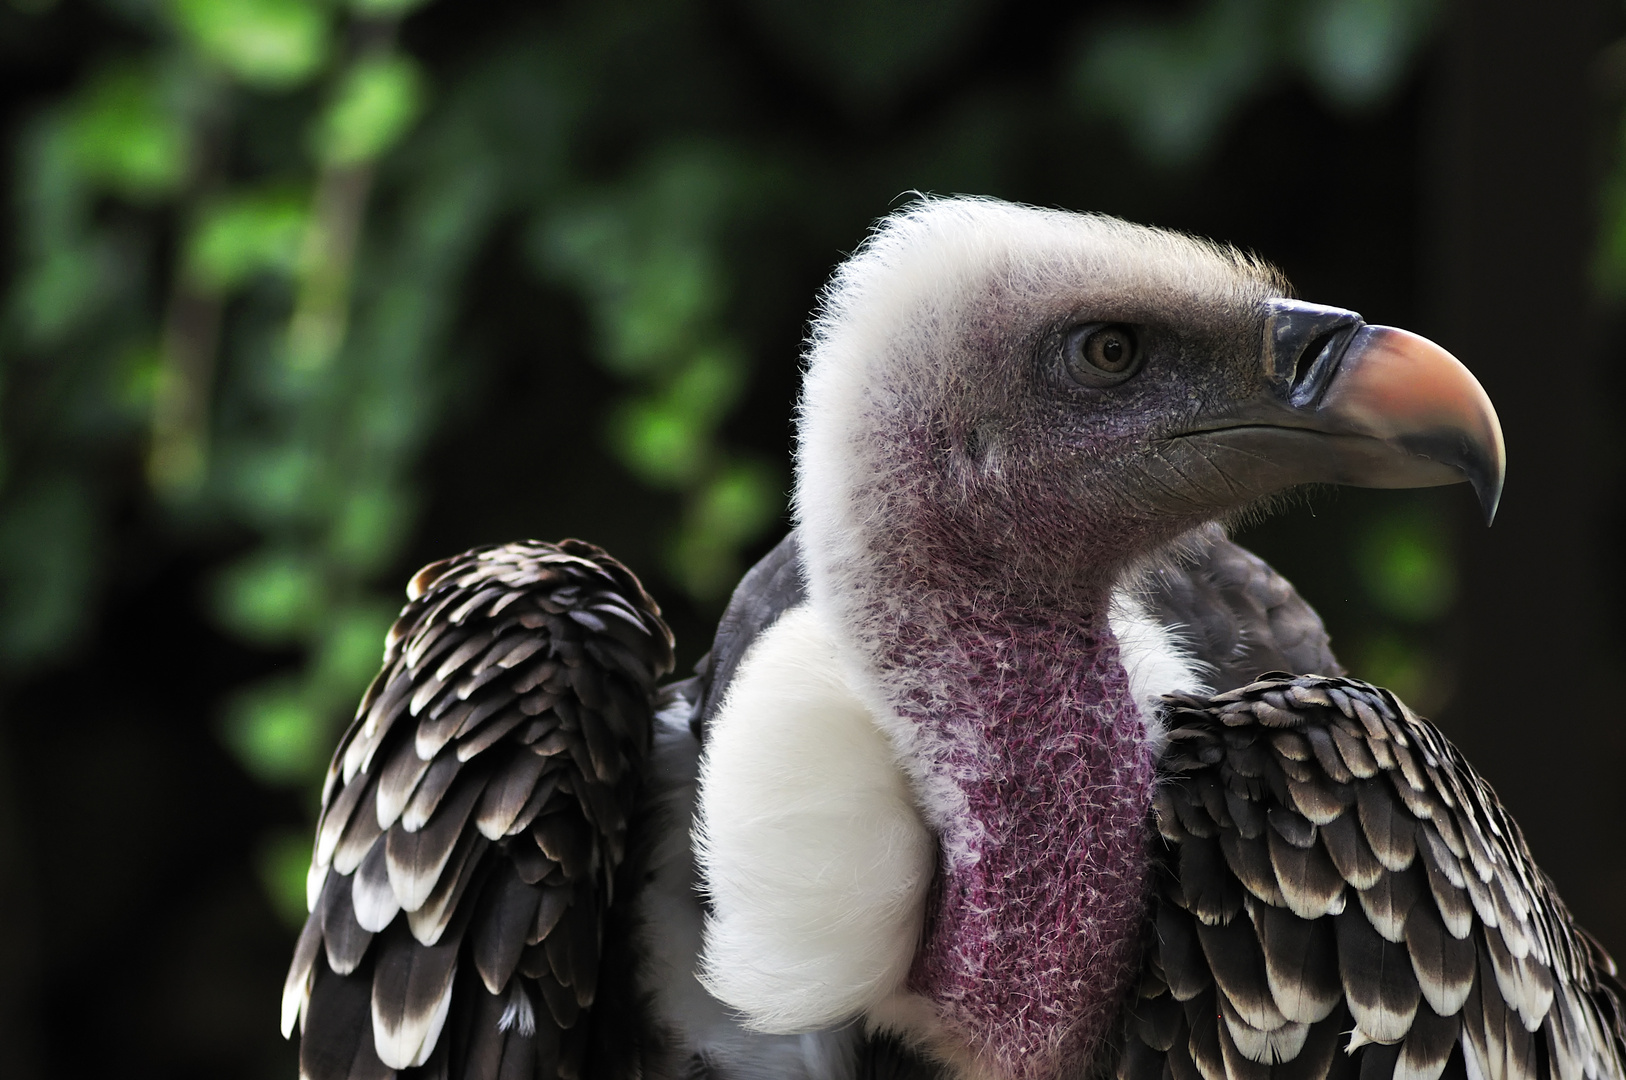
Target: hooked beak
(1347,403)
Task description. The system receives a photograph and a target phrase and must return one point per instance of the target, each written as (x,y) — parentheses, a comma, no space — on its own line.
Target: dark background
(592,223)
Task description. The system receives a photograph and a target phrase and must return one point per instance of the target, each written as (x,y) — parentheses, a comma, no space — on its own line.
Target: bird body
(982,776)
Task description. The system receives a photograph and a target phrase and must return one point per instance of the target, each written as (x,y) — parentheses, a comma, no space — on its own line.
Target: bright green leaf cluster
(274,44)
(124,135)
(245,234)
(377,102)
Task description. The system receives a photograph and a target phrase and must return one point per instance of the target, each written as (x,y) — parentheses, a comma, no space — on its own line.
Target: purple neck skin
(1042,895)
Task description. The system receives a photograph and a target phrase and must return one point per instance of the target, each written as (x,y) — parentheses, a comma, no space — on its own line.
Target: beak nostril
(1307,361)
(1316,364)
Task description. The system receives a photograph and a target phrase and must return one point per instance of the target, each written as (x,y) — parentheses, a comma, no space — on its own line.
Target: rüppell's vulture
(993,771)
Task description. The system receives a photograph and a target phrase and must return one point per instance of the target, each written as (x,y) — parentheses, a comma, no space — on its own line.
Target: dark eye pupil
(1110,350)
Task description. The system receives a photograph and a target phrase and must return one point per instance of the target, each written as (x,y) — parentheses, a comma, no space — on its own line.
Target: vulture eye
(1101,355)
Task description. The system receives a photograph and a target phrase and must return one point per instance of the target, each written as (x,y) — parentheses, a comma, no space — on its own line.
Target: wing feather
(1387,922)
(473,819)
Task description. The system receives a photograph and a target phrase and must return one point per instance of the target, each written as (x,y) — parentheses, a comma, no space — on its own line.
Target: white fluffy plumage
(815,858)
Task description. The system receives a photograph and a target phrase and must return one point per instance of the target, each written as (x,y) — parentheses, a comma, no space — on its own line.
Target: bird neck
(1035,767)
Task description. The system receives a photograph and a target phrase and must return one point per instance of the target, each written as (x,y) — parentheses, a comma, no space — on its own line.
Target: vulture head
(1027,399)
(1008,413)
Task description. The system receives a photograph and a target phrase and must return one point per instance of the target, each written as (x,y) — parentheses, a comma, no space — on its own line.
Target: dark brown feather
(1351,854)
(502,926)
(1238,964)
(1389,830)
(1212,893)
(1301,963)
(338,1036)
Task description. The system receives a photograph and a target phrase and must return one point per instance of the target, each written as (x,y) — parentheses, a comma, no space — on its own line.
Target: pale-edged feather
(1443,963)
(1389,830)
(507,793)
(412,991)
(1428,1045)
(425,800)
(1212,894)
(1301,963)
(1281,1043)
(1310,883)
(1249,859)
(296,988)
(484,736)
(1350,853)
(1379,983)
(360,834)
(1239,1065)
(1238,964)
(501,926)
(344,938)
(371,895)
(429,922)
(416,859)
(397,781)
(1203,1043)
(1181,958)
(1389,901)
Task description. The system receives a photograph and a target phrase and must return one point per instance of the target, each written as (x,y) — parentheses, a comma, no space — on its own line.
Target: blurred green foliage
(1406,564)
(241,241)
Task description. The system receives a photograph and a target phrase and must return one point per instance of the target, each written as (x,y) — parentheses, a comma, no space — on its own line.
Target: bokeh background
(297,295)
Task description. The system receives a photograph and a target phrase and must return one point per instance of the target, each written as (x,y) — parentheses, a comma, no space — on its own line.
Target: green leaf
(370,527)
(1413,672)
(351,651)
(245,234)
(375,106)
(664,446)
(54,294)
(122,134)
(1405,561)
(276,733)
(275,44)
(273,485)
(667,439)
(272,596)
(735,507)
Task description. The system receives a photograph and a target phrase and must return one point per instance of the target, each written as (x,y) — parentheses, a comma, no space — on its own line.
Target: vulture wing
(1342,896)
(473,818)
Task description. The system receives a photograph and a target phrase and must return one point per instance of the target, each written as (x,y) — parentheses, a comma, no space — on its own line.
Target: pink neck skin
(1041,899)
